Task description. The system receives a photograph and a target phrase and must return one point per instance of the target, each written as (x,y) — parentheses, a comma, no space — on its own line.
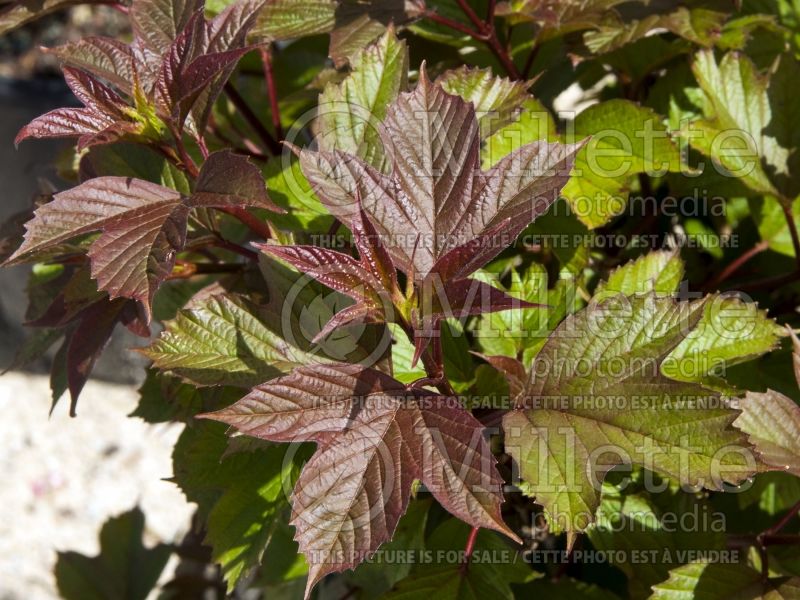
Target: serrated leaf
(227,340)
(125,568)
(349,111)
(730,332)
(633,523)
(374,438)
(436,188)
(107,58)
(497,100)
(228,179)
(288,19)
(660,271)
(158,22)
(738,106)
(535,123)
(596,398)
(598,189)
(698,25)
(710,581)
(771,422)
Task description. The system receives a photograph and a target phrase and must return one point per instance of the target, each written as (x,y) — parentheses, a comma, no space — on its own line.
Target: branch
(469,549)
(736,265)
(256,225)
(272,91)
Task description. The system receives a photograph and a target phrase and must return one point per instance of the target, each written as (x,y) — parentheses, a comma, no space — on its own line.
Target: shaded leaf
(125,568)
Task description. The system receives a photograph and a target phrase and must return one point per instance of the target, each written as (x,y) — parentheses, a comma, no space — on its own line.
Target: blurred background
(65,476)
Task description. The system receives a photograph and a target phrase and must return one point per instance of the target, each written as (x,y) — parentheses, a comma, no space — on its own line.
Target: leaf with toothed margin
(228,179)
(227,340)
(497,100)
(104,117)
(596,398)
(722,581)
(242,496)
(371,280)
(349,112)
(143,224)
(106,58)
(158,22)
(375,437)
(771,421)
(436,197)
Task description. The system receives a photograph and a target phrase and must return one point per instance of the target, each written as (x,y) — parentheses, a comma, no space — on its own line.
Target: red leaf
(228,179)
(374,438)
(436,199)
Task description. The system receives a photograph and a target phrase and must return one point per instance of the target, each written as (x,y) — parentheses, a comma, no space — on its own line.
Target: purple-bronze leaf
(102,120)
(85,343)
(228,179)
(65,122)
(103,57)
(88,207)
(375,437)
(143,224)
(158,22)
(135,253)
(436,198)
(338,271)
(93,94)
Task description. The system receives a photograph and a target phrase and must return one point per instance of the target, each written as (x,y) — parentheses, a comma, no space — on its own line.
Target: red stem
(736,265)
(485,33)
(272,92)
(256,225)
(469,549)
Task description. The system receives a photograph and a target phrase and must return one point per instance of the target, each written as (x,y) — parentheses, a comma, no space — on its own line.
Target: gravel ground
(67,476)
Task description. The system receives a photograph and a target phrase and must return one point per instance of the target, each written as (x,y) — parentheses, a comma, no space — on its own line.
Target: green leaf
(123,569)
(659,271)
(535,123)
(730,332)
(497,100)
(288,19)
(133,160)
(493,567)
(699,25)
(645,534)
(771,222)
(242,496)
(627,139)
(596,398)
(402,355)
(226,340)
(709,581)
(350,112)
(735,131)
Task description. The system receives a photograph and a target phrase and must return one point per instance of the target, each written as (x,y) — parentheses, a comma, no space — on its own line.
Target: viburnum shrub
(450,297)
